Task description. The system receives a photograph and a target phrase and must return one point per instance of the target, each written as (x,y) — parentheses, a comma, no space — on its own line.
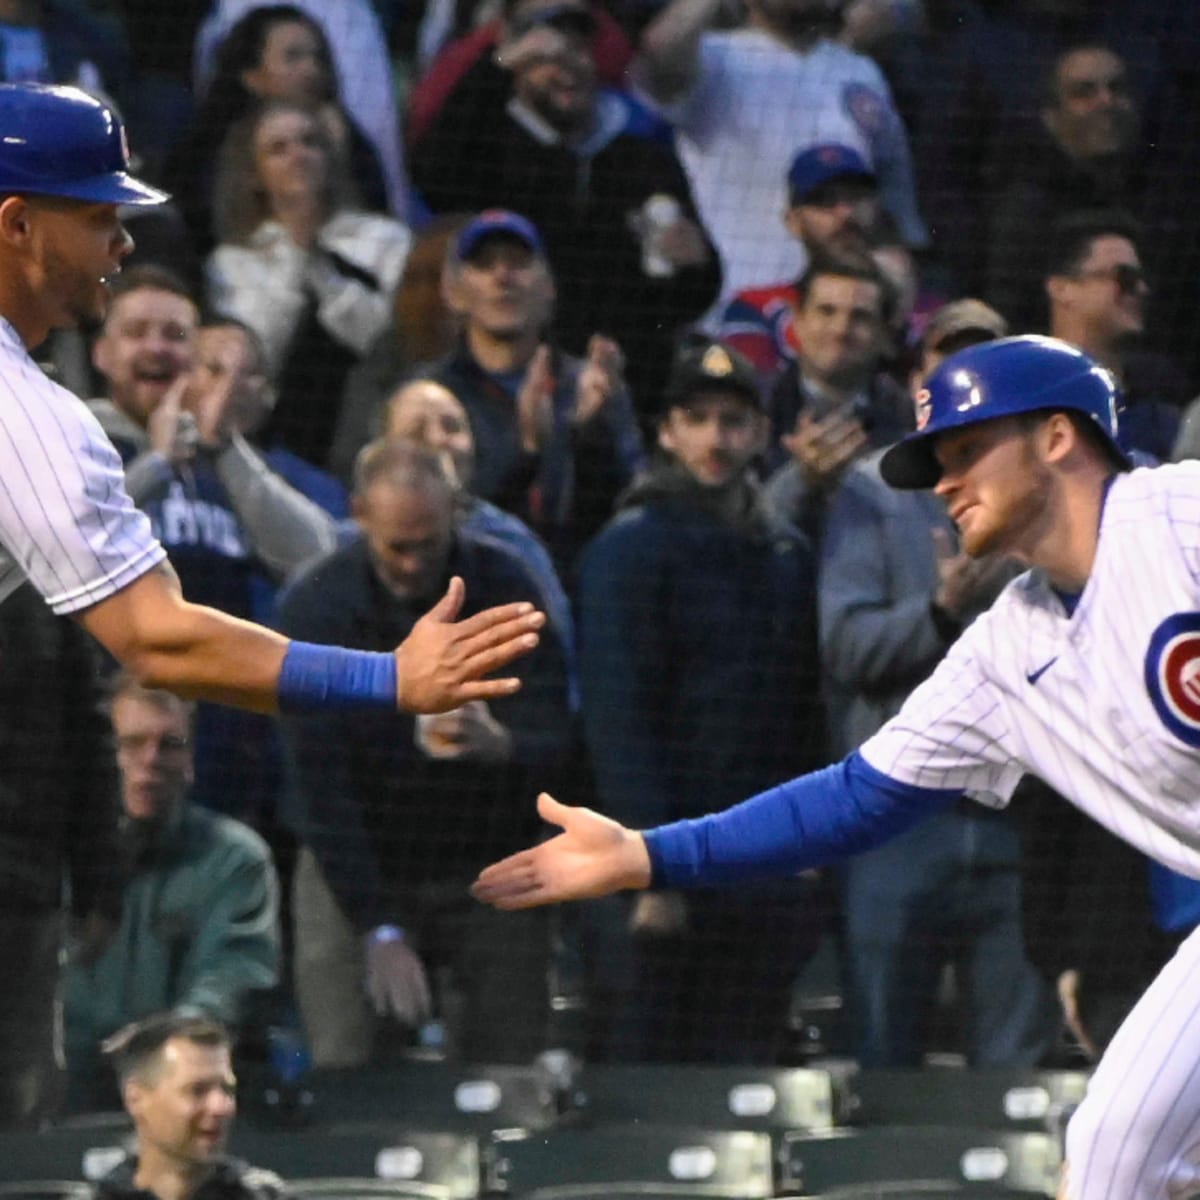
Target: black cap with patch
(713,367)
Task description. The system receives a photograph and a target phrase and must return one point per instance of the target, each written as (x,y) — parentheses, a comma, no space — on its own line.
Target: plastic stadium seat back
(990,1099)
(718,1097)
(737,1165)
(431,1095)
(446,1166)
(1021,1162)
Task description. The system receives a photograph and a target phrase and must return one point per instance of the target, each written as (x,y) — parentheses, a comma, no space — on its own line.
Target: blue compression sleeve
(807,822)
(318,678)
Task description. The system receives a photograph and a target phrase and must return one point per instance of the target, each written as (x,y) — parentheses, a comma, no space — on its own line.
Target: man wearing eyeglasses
(1097,294)
(199,927)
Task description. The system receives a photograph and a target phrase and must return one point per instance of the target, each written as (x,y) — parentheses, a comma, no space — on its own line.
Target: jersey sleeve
(65,517)
(954,729)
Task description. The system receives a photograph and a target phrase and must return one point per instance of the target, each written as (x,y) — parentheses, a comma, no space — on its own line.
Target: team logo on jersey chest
(1173,675)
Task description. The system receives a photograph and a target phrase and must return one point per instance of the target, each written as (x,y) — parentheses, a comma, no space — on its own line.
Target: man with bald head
(393,820)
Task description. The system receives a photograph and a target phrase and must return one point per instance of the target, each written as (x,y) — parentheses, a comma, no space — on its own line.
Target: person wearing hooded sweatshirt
(698,668)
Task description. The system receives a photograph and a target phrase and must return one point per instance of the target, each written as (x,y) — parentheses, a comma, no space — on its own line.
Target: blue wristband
(315,678)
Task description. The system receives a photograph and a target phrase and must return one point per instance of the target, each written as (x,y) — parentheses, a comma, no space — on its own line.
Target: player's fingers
(496,624)
(551,811)
(489,689)
(447,608)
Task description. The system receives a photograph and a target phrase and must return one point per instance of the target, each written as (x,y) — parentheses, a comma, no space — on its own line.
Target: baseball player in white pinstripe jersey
(1086,672)
(66,523)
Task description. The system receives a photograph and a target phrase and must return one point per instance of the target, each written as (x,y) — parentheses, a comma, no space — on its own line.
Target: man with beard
(699,676)
(66,521)
(614,208)
(178,1086)
(745,101)
(1082,673)
(199,921)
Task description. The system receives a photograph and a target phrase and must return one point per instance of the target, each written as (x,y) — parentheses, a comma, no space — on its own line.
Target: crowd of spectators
(610,306)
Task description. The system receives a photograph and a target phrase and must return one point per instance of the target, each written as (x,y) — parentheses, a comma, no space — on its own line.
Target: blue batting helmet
(60,141)
(998,379)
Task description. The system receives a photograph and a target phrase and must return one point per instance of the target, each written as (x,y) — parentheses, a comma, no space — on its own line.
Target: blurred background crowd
(609,305)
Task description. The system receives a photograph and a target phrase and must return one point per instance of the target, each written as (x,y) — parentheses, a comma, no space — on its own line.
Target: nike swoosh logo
(1034,676)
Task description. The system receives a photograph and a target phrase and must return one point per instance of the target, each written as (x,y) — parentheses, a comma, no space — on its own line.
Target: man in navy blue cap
(833,211)
(555,436)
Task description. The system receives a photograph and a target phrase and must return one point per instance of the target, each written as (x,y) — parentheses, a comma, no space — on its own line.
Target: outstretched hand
(593,856)
(443,662)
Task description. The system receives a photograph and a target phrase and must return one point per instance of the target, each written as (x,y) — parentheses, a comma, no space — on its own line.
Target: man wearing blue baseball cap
(833,210)
(555,435)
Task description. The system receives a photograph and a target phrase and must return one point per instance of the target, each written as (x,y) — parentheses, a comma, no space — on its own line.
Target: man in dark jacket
(699,677)
(622,233)
(58,822)
(555,436)
(177,1084)
(395,816)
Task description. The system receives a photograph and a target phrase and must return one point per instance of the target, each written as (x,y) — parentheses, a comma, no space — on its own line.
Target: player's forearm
(204,654)
(819,818)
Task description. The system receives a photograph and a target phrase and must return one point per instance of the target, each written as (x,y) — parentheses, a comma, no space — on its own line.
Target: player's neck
(1064,546)
(15,307)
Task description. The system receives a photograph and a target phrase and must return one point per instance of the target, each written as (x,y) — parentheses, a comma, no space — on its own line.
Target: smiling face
(1092,114)
(1105,296)
(841,329)
(431,415)
(713,435)
(995,483)
(147,342)
(183,1109)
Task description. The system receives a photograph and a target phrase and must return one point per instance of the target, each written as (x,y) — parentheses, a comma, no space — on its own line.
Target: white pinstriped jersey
(66,522)
(1104,704)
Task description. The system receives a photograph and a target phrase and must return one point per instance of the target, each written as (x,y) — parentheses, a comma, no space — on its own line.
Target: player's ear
(15,221)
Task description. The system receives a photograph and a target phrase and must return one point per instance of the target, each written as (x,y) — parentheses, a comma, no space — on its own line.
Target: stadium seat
(718,1097)
(44,1189)
(813,1164)
(354,1188)
(443,1165)
(431,1095)
(996,1099)
(685,1162)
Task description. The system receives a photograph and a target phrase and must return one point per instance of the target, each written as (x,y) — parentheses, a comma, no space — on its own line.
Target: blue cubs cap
(819,164)
(498,222)
(61,141)
(1000,379)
